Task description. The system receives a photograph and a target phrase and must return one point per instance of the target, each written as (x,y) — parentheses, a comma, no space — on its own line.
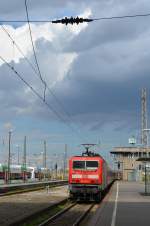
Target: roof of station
(130,149)
(146,159)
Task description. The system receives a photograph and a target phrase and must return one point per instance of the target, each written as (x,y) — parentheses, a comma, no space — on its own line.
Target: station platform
(14,208)
(29,183)
(124,205)
(6,188)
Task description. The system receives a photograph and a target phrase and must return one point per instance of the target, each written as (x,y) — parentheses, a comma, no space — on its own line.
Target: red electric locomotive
(89,176)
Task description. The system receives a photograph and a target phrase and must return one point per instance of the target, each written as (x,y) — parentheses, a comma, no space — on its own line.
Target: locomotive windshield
(78,164)
(87,165)
(91,165)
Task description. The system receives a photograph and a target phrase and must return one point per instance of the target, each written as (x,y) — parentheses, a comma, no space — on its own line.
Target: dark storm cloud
(40,9)
(103,84)
(101,33)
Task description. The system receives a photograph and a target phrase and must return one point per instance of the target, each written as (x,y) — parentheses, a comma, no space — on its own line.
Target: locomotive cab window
(78,164)
(91,165)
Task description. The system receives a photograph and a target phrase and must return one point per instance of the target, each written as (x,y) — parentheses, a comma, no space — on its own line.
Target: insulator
(72,20)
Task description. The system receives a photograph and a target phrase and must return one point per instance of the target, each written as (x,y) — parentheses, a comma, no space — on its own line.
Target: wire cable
(35,57)
(19,49)
(46,86)
(36,73)
(40,97)
(123,17)
(100,18)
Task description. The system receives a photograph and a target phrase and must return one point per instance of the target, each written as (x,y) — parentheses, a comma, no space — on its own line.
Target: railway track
(72,215)
(75,214)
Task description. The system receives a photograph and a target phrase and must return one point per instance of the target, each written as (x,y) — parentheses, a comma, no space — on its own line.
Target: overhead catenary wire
(35,57)
(19,49)
(37,74)
(40,97)
(123,17)
(50,21)
(94,19)
(31,65)
(36,60)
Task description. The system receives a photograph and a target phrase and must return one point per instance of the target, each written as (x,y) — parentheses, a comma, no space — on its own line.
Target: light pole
(9,156)
(24,160)
(145,179)
(44,160)
(65,159)
(18,154)
(44,155)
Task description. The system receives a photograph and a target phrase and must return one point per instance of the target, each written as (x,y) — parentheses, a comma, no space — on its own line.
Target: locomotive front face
(85,171)
(85,175)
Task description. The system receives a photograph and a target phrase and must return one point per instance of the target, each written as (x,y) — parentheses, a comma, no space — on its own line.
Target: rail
(53,219)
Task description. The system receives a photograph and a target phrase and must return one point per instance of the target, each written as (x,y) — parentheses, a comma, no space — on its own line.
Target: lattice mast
(144,136)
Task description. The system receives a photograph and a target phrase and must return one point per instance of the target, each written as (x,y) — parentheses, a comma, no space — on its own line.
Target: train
(89,176)
(17,172)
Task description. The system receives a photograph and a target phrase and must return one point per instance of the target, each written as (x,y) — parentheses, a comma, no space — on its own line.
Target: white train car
(17,172)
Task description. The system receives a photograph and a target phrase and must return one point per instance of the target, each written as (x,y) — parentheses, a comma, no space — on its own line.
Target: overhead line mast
(144,135)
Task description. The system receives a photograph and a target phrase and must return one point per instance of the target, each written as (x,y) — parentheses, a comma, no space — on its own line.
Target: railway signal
(118,165)
(72,20)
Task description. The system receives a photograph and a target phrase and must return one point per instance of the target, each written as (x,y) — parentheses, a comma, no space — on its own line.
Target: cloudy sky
(94,71)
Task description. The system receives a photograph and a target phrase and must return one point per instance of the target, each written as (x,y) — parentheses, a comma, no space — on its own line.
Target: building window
(136,154)
(144,154)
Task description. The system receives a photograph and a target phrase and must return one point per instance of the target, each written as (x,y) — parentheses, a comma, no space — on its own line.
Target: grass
(44,216)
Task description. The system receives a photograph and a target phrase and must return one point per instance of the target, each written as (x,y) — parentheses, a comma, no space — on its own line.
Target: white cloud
(22,38)
(76,29)
(55,63)
(48,32)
